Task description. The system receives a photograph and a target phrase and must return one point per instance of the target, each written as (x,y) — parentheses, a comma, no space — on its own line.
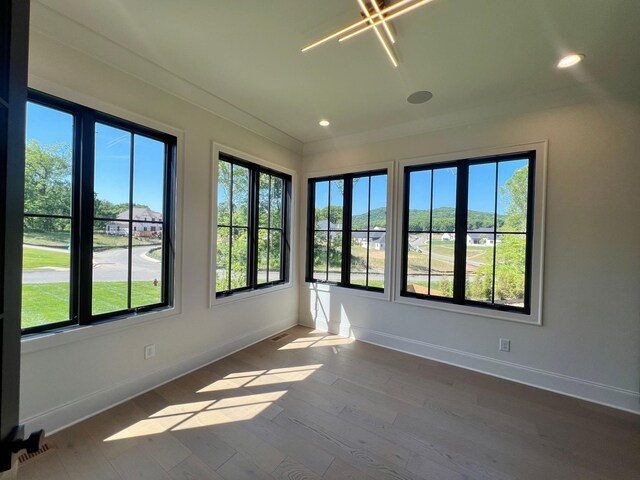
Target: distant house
(448,237)
(326,225)
(142,216)
(374,237)
(379,243)
(419,243)
(481,236)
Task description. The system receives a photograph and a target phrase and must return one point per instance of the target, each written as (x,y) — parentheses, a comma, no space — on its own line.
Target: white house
(142,226)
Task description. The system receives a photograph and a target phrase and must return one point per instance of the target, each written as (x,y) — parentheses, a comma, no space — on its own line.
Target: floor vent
(279,337)
(29,457)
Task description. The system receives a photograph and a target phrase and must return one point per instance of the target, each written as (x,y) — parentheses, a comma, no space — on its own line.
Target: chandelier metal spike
(375,19)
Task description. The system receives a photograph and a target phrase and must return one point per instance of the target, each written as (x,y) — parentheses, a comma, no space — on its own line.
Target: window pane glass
(222,259)
(320,256)
(360,203)
(418,263)
(335,257)
(240,196)
(263,199)
(419,201)
(444,200)
(46,263)
(442,260)
(110,272)
(48,161)
(277,195)
(112,169)
(146,267)
(513,184)
(321,207)
(359,258)
(482,197)
(379,202)
(224,192)
(479,276)
(239,261)
(337,192)
(510,269)
(148,178)
(263,247)
(376,261)
(275,253)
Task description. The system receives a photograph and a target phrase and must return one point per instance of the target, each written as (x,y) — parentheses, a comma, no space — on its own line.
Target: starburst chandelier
(376,16)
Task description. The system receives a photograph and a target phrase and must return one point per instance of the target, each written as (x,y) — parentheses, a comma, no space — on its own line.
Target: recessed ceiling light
(419,97)
(324,123)
(570,60)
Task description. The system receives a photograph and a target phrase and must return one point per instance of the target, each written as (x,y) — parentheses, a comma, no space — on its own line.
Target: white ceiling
(469,53)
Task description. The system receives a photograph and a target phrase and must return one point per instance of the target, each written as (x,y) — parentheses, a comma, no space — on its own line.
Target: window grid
(459,295)
(253,227)
(82,213)
(346,231)
(269,229)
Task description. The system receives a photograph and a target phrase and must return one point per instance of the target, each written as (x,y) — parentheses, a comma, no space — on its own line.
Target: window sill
(530,319)
(337,289)
(235,297)
(35,342)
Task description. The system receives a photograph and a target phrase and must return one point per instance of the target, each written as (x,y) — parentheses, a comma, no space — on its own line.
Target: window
(89,181)
(467,236)
(347,230)
(252,226)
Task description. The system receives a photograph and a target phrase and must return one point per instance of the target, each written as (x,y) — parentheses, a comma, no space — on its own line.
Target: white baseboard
(79,409)
(608,395)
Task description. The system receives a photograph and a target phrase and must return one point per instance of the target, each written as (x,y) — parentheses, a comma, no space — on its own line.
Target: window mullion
(85,237)
(252,227)
(495,238)
(311,233)
(75,217)
(346,229)
(131,225)
(459,265)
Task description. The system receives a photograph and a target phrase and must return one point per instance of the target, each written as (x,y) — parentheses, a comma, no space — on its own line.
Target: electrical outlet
(149,351)
(505,345)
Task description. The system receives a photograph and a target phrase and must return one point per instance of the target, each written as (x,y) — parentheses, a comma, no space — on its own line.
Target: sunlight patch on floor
(313,342)
(206,413)
(261,378)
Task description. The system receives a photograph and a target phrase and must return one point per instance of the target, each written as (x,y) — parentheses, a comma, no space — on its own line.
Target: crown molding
(58,27)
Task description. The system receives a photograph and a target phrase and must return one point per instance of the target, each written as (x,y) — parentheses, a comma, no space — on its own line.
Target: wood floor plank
(301,452)
(192,468)
(314,405)
(240,467)
(289,469)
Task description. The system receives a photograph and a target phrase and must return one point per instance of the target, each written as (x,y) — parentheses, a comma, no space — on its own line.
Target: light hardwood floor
(314,405)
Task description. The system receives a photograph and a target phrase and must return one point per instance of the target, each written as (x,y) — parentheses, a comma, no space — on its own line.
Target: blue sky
(360,194)
(482,184)
(112,166)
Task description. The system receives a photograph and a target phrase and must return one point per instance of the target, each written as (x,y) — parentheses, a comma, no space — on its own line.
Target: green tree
(47,185)
(510,250)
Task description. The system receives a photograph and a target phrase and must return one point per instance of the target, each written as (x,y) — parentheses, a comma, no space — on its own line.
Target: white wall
(71,375)
(589,343)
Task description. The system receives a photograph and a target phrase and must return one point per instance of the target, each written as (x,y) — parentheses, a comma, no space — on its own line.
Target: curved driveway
(108,266)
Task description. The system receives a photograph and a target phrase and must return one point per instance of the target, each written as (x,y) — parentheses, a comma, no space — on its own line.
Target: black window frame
(462,186)
(347,231)
(253,227)
(82,213)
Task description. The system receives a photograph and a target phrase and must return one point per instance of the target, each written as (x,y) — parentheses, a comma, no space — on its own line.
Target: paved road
(108,266)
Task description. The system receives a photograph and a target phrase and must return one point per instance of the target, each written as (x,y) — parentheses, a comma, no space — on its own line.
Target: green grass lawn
(156,253)
(62,239)
(33,258)
(44,303)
